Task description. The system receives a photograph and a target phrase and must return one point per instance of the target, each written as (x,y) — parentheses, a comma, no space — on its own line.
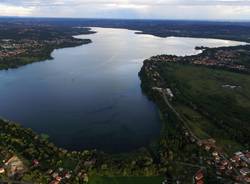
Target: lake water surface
(90,96)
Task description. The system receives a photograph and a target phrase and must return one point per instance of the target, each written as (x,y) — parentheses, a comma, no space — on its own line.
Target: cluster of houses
(218,63)
(167,91)
(241,161)
(236,168)
(60,175)
(14,48)
(12,167)
(152,73)
(165,58)
(219,58)
(63,176)
(199,177)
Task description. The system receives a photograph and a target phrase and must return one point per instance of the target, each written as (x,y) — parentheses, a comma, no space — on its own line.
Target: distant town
(18,48)
(21,45)
(231,58)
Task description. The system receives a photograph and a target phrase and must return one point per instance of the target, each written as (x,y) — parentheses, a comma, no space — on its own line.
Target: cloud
(127,2)
(7,10)
(170,9)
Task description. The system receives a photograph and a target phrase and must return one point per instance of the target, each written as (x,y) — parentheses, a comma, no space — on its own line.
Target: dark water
(90,96)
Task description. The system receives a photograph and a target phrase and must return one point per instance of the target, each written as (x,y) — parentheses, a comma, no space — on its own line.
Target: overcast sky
(139,9)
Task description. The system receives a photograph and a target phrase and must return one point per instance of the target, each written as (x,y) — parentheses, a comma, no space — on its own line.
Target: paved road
(165,98)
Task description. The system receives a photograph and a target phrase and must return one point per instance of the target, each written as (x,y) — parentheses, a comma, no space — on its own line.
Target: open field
(215,103)
(126,180)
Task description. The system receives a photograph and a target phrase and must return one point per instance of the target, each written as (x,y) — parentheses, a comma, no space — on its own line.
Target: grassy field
(126,180)
(205,129)
(215,103)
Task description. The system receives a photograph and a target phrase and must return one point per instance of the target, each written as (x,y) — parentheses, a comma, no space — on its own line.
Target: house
(245,171)
(55,174)
(55,182)
(212,141)
(67,175)
(50,171)
(245,159)
(2,170)
(157,89)
(186,134)
(217,158)
(199,143)
(85,178)
(209,162)
(166,181)
(239,154)
(60,169)
(35,162)
(247,155)
(239,178)
(222,168)
(207,147)
(199,176)
(15,166)
(235,159)
(229,167)
(58,178)
(169,92)
(200,182)
(224,162)
(215,154)
(247,179)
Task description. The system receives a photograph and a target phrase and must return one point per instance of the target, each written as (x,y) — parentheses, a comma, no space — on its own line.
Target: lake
(90,96)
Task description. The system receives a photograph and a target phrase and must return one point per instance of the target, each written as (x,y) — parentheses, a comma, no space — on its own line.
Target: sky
(130,9)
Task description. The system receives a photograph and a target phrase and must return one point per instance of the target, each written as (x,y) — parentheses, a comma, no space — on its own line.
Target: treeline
(238,31)
(38,31)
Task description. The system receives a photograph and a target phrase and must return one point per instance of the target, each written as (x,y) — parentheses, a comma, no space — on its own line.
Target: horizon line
(116,18)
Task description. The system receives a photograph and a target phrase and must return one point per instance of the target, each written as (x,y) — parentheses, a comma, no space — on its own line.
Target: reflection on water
(90,96)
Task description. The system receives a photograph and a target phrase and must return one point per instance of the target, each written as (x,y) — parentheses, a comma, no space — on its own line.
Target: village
(28,47)
(21,45)
(13,168)
(227,58)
